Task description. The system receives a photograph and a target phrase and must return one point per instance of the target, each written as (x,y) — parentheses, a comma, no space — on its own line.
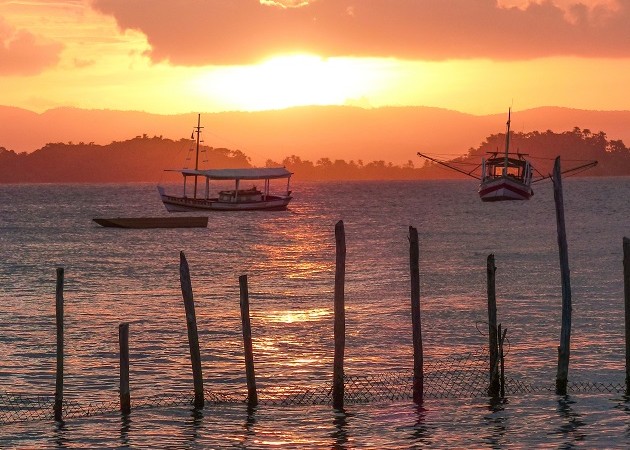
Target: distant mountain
(392,134)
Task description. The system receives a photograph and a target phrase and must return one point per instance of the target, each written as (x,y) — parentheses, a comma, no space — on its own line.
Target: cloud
(23,53)
(198,32)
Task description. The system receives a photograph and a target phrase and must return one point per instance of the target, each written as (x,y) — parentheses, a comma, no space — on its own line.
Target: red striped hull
(504,188)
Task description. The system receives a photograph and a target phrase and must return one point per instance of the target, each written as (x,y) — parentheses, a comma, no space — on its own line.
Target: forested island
(144,158)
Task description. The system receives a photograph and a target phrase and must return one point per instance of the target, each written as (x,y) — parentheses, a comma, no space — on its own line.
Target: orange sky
(166,56)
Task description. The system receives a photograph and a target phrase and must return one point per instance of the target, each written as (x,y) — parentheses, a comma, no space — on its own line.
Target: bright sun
(285,81)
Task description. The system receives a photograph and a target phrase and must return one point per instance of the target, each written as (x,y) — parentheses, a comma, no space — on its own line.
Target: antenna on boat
(507,142)
(198,131)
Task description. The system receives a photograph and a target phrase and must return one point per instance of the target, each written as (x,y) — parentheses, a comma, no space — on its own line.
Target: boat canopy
(258,173)
(500,161)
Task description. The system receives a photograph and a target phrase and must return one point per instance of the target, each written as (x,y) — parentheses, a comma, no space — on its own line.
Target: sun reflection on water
(289,316)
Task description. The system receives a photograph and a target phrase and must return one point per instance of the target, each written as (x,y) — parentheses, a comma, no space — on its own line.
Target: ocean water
(114,276)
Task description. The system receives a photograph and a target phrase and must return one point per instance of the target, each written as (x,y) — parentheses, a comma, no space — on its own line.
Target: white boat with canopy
(241,196)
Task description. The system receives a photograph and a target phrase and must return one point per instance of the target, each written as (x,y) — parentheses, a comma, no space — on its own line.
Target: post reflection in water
(125,427)
(625,407)
(195,423)
(340,435)
(251,420)
(249,426)
(496,421)
(572,421)
(61,438)
(421,433)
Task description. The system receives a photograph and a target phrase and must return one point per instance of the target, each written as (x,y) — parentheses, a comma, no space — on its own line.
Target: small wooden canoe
(153,222)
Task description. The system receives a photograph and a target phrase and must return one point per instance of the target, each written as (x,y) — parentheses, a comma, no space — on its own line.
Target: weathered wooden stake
(502,357)
(58,406)
(340,315)
(626,296)
(565,331)
(123,343)
(493,344)
(252,395)
(416,323)
(191,324)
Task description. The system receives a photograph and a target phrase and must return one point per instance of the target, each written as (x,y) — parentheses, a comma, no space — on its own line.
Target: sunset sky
(166,56)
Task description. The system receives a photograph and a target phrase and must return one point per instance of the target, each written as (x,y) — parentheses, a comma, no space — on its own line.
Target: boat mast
(198,131)
(507,143)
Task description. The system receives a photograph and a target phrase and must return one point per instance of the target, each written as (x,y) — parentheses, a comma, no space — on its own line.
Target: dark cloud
(195,32)
(22,53)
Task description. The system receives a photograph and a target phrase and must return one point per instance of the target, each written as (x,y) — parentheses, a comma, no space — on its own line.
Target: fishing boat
(241,196)
(153,222)
(506,177)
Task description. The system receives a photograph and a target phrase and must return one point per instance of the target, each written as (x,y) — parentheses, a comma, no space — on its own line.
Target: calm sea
(114,276)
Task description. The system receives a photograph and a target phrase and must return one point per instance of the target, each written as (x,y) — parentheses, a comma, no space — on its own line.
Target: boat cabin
(518,169)
(241,195)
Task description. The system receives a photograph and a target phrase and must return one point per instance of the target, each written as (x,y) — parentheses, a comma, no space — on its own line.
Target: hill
(393,134)
(144,158)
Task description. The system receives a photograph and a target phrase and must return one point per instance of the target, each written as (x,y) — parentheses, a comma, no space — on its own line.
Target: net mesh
(464,376)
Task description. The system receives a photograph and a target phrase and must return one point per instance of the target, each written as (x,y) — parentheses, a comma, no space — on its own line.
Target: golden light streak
(310,315)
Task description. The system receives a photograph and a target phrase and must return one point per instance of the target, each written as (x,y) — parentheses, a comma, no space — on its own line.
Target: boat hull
(504,188)
(182,204)
(153,222)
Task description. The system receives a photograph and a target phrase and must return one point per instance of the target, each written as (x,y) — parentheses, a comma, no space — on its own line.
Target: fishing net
(464,376)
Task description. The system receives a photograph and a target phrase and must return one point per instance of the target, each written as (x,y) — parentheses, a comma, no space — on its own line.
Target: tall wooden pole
(502,357)
(565,331)
(493,341)
(626,296)
(416,322)
(123,343)
(58,406)
(340,315)
(191,324)
(252,395)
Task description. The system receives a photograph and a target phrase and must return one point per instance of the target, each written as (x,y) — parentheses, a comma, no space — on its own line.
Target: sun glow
(309,315)
(286,81)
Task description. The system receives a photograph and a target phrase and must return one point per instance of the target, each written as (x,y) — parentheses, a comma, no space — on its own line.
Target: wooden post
(416,323)
(565,331)
(626,296)
(191,324)
(123,343)
(502,357)
(340,315)
(493,344)
(252,396)
(58,406)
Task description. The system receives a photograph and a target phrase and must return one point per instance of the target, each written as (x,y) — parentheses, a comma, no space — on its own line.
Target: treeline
(144,158)
(575,147)
(339,169)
